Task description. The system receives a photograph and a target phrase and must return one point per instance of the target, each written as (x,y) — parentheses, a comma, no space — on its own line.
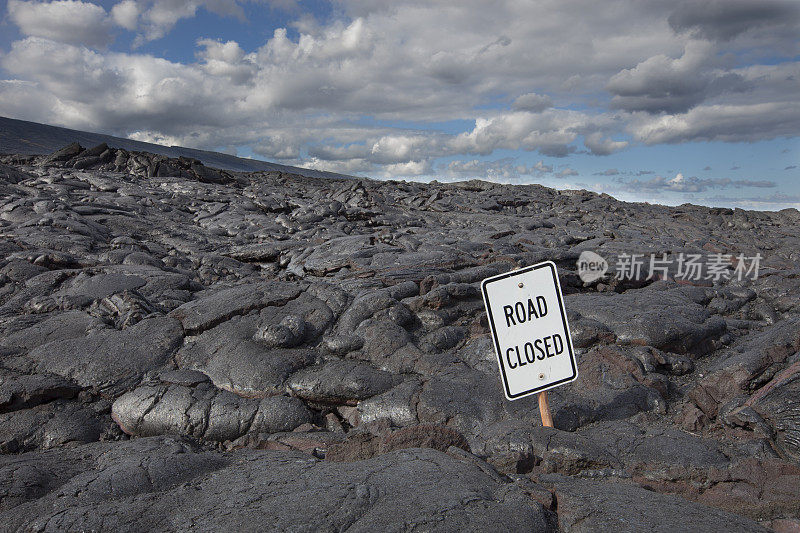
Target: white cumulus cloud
(65,21)
(126,14)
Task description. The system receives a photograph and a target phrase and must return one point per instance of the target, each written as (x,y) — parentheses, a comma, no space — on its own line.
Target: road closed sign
(529,325)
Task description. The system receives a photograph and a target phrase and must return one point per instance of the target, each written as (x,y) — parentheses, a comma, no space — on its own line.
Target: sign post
(531,335)
(544,410)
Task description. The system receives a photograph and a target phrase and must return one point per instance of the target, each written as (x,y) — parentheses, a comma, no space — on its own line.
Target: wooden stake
(544,410)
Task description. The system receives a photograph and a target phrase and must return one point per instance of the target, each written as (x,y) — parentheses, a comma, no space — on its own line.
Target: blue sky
(659,101)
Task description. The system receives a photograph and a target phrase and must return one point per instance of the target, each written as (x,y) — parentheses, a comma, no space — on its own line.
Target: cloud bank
(552,78)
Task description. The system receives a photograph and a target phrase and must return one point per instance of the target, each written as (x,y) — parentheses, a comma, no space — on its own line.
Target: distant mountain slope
(23,137)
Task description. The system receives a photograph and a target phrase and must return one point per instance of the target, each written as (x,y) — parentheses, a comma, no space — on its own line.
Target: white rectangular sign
(529,325)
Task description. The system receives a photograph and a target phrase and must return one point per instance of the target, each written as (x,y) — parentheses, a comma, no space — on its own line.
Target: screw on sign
(531,335)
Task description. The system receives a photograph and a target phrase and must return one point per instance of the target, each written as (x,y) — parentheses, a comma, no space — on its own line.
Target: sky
(658,101)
